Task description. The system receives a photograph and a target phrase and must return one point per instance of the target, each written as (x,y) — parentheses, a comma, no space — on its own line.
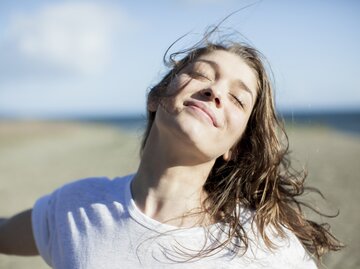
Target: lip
(205,109)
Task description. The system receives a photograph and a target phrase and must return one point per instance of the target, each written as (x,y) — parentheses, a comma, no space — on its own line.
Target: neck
(168,187)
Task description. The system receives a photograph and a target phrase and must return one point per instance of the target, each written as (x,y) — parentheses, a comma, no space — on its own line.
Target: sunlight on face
(209,102)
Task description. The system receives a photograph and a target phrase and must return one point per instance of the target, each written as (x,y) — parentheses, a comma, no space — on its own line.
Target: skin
(183,141)
(16,237)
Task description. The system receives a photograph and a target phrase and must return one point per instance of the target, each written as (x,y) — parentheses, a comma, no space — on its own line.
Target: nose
(212,95)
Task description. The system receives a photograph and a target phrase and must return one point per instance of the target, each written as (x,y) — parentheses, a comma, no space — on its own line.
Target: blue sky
(64,58)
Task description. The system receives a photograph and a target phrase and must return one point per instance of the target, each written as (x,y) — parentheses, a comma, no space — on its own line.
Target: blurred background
(74,77)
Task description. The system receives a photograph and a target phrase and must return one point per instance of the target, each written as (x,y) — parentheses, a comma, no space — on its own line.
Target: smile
(203,109)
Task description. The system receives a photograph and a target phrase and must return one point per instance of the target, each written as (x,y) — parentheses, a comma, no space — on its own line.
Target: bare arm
(16,236)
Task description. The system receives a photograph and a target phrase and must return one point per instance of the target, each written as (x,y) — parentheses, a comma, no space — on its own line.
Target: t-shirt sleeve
(298,258)
(288,253)
(295,256)
(41,222)
(49,215)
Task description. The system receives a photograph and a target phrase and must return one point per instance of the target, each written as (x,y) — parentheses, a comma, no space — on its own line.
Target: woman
(213,189)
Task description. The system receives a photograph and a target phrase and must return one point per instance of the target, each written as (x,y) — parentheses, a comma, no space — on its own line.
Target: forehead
(230,65)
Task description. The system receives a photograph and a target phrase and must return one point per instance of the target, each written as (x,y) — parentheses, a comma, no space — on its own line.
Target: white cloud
(64,37)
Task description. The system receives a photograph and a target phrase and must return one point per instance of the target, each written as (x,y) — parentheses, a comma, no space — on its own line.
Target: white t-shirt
(94,223)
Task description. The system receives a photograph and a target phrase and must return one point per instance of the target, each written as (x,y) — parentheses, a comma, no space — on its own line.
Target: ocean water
(130,123)
(348,122)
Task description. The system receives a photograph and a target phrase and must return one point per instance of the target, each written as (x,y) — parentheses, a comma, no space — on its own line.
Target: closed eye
(237,101)
(200,75)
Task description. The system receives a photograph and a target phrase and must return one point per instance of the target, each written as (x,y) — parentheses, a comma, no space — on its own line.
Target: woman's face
(208,104)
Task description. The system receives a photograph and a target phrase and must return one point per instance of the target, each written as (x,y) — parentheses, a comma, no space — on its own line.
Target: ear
(227,155)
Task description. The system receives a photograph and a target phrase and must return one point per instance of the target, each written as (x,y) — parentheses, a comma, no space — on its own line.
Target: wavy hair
(259,175)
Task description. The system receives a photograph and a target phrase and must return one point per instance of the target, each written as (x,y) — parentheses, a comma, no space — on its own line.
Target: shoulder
(85,184)
(84,192)
(89,185)
(92,189)
(288,252)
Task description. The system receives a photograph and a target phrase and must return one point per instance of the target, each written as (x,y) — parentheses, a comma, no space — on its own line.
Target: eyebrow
(238,81)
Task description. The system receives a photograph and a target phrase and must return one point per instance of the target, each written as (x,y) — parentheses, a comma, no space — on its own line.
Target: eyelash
(197,74)
(237,101)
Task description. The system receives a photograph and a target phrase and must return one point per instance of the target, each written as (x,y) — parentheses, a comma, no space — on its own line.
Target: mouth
(204,109)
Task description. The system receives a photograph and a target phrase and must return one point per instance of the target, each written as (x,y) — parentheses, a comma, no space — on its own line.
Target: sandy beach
(38,157)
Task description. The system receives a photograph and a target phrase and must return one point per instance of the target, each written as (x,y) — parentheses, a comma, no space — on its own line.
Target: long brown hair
(259,175)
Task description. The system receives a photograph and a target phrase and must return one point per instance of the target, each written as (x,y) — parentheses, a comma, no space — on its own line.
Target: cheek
(172,99)
(177,85)
(236,126)
(173,87)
